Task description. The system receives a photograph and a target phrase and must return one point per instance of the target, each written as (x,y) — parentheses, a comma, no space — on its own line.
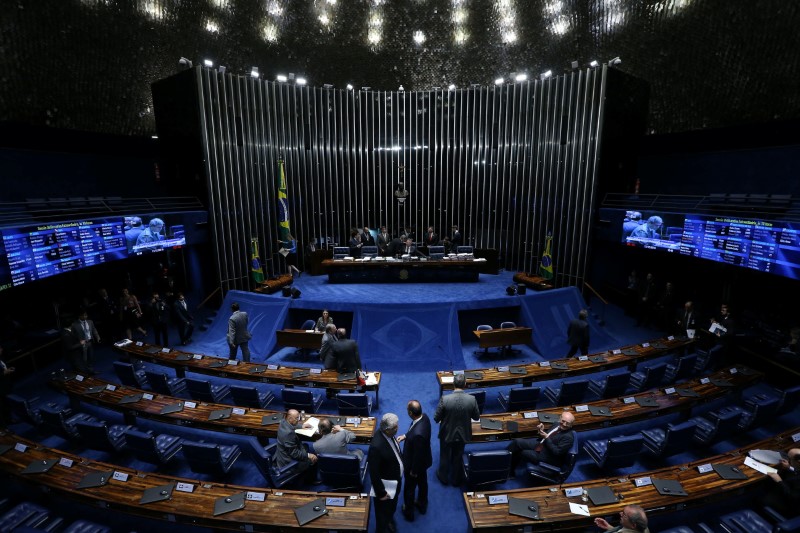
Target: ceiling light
(254,72)
(366,88)
(594,64)
(222,69)
(615,61)
(327,86)
(281,78)
(419,37)
(349,86)
(184,61)
(499,81)
(546,74)
(521,77)
(208,63)
(451,87)
(300,81)
(575,65)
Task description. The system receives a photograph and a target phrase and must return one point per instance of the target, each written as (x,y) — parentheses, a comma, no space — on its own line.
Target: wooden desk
(299,338)
(502,377)
(248,423)
(184,362)
(417,271)
(554,505)
(503,337)
(533,281)
(623,413)
(195,508)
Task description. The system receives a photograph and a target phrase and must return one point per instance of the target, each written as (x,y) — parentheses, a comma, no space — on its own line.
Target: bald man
(632,519)
(551,447)
(783,493)
(289,446)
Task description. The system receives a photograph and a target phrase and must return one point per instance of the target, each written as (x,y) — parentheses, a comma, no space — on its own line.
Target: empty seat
(62,420)
(519,399)
(508,349)
(208,458)
(163,384)
(84,526)
(340,252)
(278,477)
(98,435)
(23,410)
(151,448)
(611,385)
(568,392)
(680,369)
(718,424)
(308,324)
(708,359)
(547,473)
(302,400)
(25,514)
(762,411)
(128,375)
(483,327)
(436,252)
(342,471)
(649,378)
(369,251)
(787,399)
(354,403)
(480,397)
(251,397)
(614,453)
(745,521)
(676,438)
(486,467)
(465,250)
(204,391)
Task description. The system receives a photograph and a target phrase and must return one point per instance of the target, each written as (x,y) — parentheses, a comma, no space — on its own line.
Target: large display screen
(148,234)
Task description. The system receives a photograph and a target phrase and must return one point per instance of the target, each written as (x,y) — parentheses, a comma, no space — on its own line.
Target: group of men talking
(403,244)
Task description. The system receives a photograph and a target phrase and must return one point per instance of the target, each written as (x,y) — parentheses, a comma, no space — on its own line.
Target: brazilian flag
(546,264)
(255,261)
(284,234)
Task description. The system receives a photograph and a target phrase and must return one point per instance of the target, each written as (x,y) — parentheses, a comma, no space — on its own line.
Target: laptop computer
(226,504)
(172,408)
(523,508)
(559,366)
(729,472)
(488,423)
(39,466)
(602,495)
(548,418)
(219,414)
(157,494)
(690,393)
(310,511)
(669,487)
(600,410)
(646,401)
(131,398)
(268,420)
(95,479)
(518,370)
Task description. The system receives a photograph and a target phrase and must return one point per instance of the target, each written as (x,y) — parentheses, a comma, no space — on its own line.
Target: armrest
(549,468)
(773,515)
(284,469)
(789,526)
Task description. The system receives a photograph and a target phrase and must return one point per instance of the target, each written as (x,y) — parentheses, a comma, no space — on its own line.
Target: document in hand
(390,485)
(309,432)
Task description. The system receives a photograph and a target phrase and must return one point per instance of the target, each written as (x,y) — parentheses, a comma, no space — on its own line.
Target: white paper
(238,411)
(147,396)
(760,467)
(316,371)
(447,379)
(390,485)
(120,476)
(197,356)
(190,405)
(255,496)
(372,379)
(690,333)
(111,387)
(65,462)
(577,508)
(184,487)
(309,432)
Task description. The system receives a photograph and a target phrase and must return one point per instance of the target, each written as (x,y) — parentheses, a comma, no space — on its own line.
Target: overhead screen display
(766,246)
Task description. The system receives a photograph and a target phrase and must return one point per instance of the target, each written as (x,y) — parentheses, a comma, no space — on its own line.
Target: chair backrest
(126,373)
(464,250)
(436,252)
(340,252)
(484,327)
(302,400)
(245,396)
(572,391)
(616,384)
(622,451)
(653,376)
(340,470)
(369,251)
(54,417)
(480,397)
(200,389)
(308,324)
(508,324)
(685,365)
(523,398)
(95,435)
(790,399)
(353,404)
(277,478)
(677,438)
(143,446)
(22,408)
(158,382)
(726,424)
(764,412)
(203,457)
(488,467)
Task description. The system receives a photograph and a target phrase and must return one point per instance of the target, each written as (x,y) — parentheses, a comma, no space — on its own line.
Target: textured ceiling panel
(88,64)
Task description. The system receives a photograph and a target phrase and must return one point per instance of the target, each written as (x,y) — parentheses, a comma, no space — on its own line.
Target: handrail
(586,284)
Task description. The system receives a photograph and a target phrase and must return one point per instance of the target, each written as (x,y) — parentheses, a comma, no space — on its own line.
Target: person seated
(289,446)
(326,354)
(550,448)
(650,229)
(408,248)
(783,492)
(334,439)
(324,320)
(632,519)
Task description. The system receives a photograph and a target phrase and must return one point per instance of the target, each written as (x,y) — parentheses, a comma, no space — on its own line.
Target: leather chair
(23,410)
(676,438)
(98,435)
(519,399)
(649,378)
(465,250)
(354,403)
(278,477)
(717,425)
(682,368)
(610,386)
(62,421)
(342,471)
(788,399)
(251,397)
(204,391)
(128,375)
(762,411)
(614,453)
(707,359)
(25,514)
(209,458)
(308,324)
(483,327)
(340,252)
(544,473)
(436,252)
(150,448)
(369,251)
(84,526)
(568,392)
(302,400)
(744,521)
(487,467)
(163,384)
(508,349)
(480,397)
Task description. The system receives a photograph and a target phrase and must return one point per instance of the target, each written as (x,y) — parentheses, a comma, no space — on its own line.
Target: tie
(396,450)
(86,330)
(540,446)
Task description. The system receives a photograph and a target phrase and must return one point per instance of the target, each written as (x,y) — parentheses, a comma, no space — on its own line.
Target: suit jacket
(578,332)
(687,320)
(383,242)
(367,239)
(417,447)
(383,463)
(159,312)
(80,333)
(183,315)
(326,354)
(556,447)
(289,446)
(237,328)
(403,250)
(454,414)
(355,245)
(455,239)
(346,353)
(431,239)
(335,442)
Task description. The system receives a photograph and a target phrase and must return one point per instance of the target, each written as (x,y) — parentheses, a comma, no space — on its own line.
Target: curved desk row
(564,368)
(622,410)
(554,505)
(192,502)
(135,403)
(219,367)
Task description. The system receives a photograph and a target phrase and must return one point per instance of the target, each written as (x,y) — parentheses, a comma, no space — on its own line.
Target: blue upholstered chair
(61,420)
(369,251)
(203,390)
(302,400)
(436,252)
(744,521)
(762,411)
(84,526)
(611,385)
(676,438)
(788,399)
(480,397)
(519,399)
(555,475)
(150,448)
(508,349)
(209,458)
(251,397)
(465,250)
(25,514)
(128,375)
(614,453)
(649,378)
(23,410)
(570,391)
(342,471)
(98,435)
(354,403)
(163,384)
(278,477)
(717,425)
(340,252)
(487,467)
(682,368)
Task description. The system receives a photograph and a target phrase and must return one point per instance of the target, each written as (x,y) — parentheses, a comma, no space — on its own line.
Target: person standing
(107,316)
(417,460)
(456,239)
(386,473)
(578,334)
(159,318)
(345,352)
(73,350)
(431,238)
(326,351)
(238,335)
(383,241)
(366,238)
(355,244)
(687,320)
(87,335)
(454,414)
(184,318)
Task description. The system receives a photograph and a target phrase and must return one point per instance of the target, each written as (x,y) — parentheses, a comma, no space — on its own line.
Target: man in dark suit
(385,472)
(416,460)
(73,350)
(551,447)
(355,244)
(454,414)
(431,238)
(184,319)
(6,372)
(87,336)
(578,334)
(783,493)
(455,239)
(326,351)
(159,317)
(366,237)
(687,319)
(408,248)
(289,446)
(238,335)
(346,353)
(383,241)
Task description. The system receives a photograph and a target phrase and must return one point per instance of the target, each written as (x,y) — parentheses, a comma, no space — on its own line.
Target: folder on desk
(152,350)
(473,375)
(131,398)
(95,479)
(172,408)
(226,504)
(219,414)
(548,418)
(157,494)
(512,426)
(729,471)
(183,357)
(683,391)
(489,423)
(597,359)
(310,511)
(669,487)
(602,495)
(300,374)
(630,351)
(257,369)
(350,376)
(559,365)
(719,382)
(268,420)
(523,508)
(600,410)
(521,370)
(337,420)
(40,466)
(219,363)
(646,401)
(658,345)
(95,389)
